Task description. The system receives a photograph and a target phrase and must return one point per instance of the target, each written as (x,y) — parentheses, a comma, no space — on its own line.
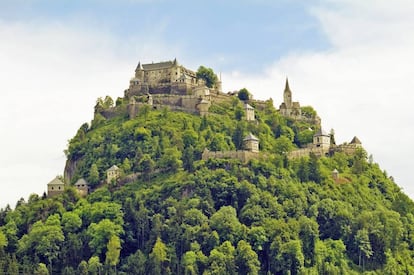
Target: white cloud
(361,86)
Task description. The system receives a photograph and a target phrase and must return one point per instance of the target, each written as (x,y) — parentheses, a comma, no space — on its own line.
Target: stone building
(249,111)
(82,186)
(322,139)
(113,173)
(167,77)
(251,143)
(55,187)
(289,108)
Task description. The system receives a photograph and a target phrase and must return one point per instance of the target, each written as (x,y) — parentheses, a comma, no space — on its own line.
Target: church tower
(287,95)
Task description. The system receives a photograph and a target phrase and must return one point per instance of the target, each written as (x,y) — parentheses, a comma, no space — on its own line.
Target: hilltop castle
(167,77)
(171,85)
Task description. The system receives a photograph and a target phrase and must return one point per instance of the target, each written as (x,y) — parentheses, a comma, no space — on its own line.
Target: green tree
(222,259)
(100,234)
(208,75)
(146,166)
(158,256)
(93,177)
(135,264)
(190,263)
(238,135)
(113,251)
(171,160)
(94,265)
(364,247)
(41,270)
(83,268)
(243,94)
(291,257)
(246,259)
(71,222)
(188,158)
(226,223)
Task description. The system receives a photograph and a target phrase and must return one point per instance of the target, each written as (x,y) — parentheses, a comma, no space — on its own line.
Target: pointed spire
(287,85)
(175,61)
(139,66)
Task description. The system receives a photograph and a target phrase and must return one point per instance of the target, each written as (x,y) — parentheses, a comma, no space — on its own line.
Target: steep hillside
(171,212)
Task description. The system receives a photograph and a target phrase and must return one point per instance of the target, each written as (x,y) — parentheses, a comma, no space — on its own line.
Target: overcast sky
(351,60)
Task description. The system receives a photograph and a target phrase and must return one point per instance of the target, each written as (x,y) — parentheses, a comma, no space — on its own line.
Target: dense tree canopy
(172,213)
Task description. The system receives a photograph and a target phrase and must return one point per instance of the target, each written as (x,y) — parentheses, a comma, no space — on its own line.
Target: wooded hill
(184,215)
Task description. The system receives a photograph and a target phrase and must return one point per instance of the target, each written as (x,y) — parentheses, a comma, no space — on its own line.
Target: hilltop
(177,177)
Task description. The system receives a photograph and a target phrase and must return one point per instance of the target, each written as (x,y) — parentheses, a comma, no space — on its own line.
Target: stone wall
(318,151)
(242,155)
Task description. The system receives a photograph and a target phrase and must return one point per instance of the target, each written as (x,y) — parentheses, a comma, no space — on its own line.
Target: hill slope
(171,212)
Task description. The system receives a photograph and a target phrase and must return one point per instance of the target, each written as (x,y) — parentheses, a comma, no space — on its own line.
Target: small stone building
(82,186)
(251,143)
(55,187)
(249,111)
(335,174)
(113,173)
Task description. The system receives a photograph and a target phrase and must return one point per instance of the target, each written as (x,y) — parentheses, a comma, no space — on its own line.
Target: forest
(184,215)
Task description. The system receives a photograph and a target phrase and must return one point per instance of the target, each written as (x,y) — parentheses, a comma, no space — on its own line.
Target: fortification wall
(242,155)
(318,151)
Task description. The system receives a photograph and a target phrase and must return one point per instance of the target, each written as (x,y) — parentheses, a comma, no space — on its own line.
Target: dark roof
(321,132)
(355,140)
(287,88)
(250,136)
(56,181)
(158,66)
(80,182)
(113,168)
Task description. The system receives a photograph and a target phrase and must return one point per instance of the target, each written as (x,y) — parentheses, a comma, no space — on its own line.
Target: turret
(139,72)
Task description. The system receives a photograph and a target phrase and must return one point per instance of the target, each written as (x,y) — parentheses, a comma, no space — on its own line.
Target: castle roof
(247,106)
(321,132)
(159,66)
(56,181)
(139,66)
(250,136)
(355,140)
(203,101)
(113,168)
(81,182)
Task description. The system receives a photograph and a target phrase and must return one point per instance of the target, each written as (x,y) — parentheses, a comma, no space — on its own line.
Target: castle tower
(203,107)
(55,187)
(251,143)
(287,95)
(139,72)
(249,111)
(322,139)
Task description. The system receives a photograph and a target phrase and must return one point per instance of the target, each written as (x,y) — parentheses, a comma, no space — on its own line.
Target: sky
(349,59)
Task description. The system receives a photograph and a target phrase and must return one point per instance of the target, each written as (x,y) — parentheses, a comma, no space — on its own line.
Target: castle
(171,85)
(167,77)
